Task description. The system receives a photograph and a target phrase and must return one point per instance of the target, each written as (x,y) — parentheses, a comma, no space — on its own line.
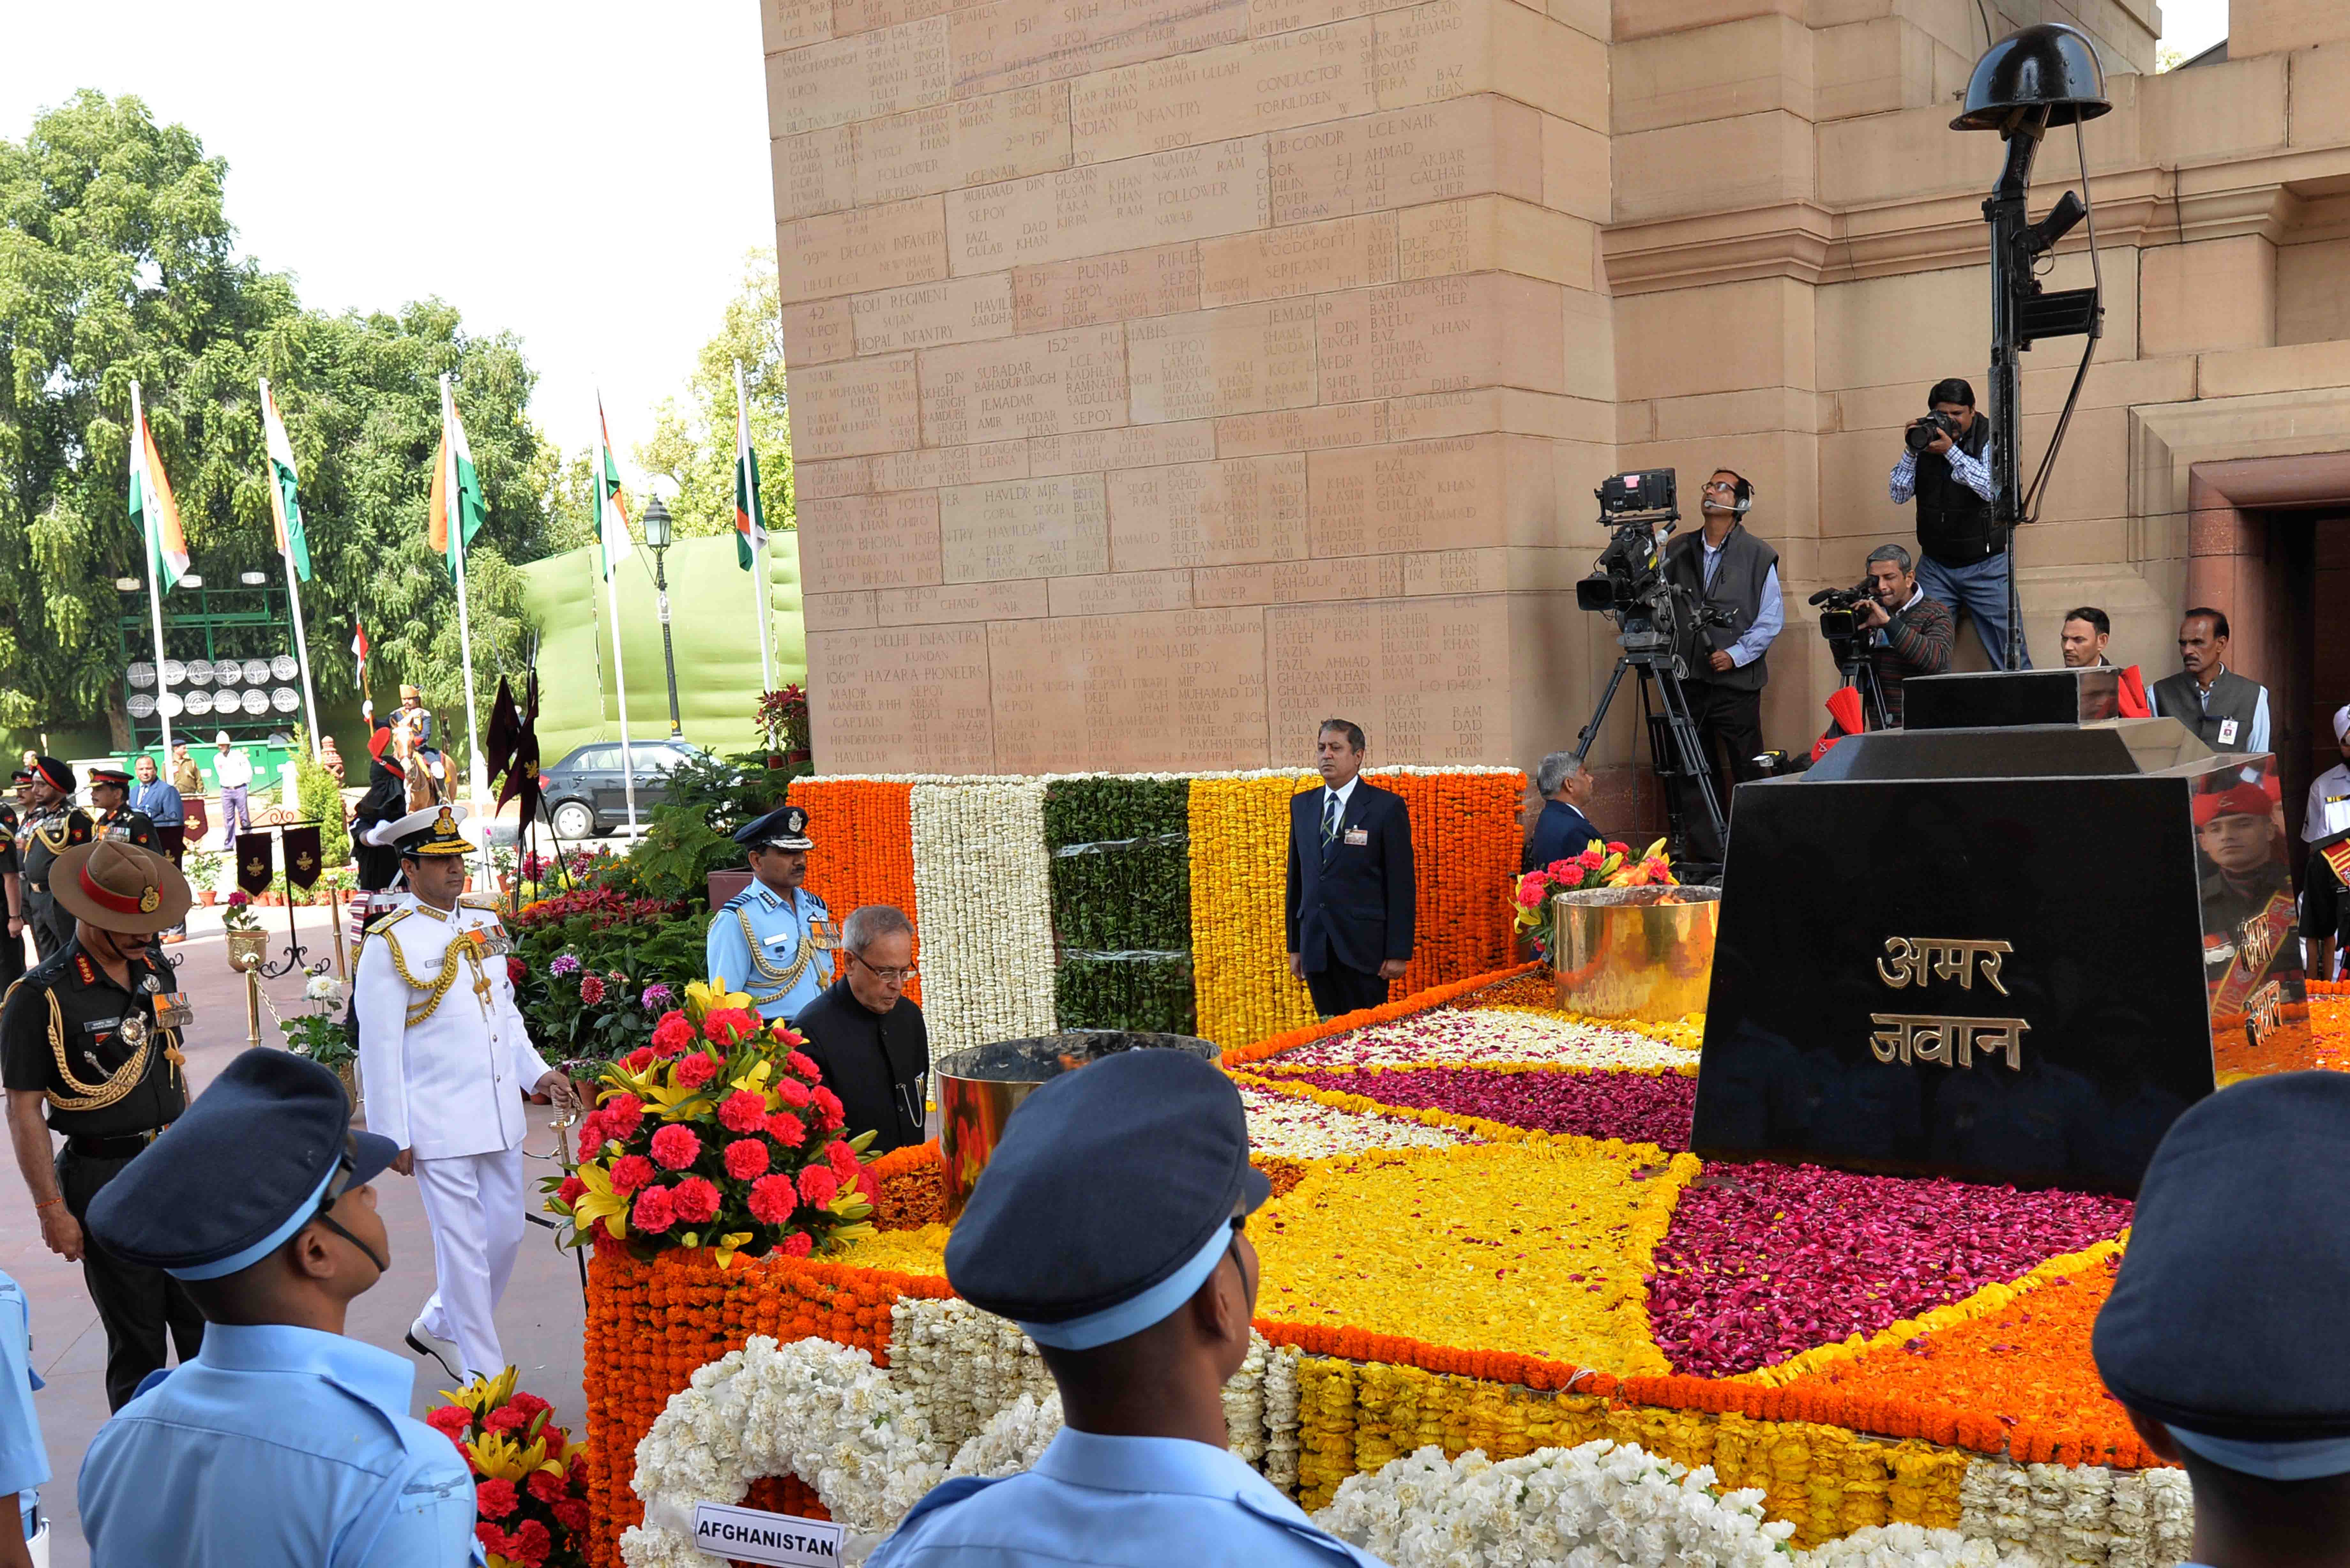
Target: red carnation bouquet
(717,1133)
(1601,865)
(530,1483)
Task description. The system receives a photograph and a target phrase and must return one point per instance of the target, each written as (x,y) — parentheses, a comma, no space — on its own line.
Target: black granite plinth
(2010,697)
(2043,888)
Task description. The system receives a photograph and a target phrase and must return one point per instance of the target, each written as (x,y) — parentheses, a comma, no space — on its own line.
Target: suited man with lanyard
(1351,880)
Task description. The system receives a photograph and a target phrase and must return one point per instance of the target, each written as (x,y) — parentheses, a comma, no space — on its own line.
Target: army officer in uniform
(12,887)
(111,815)
(774,938)
(446,1061)
(93,1032)
(53,825)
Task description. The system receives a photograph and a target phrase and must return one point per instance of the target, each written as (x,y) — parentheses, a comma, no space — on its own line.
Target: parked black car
(584,795)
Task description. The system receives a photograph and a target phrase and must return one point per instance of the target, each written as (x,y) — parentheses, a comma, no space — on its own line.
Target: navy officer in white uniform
(1109,1227)
(774,940)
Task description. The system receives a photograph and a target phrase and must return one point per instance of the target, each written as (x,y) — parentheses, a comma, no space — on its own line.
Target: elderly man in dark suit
(1350,881)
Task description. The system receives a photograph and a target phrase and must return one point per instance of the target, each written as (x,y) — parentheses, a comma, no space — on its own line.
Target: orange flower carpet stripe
(864,850)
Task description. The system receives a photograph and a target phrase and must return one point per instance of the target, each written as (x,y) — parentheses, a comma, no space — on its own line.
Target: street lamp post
(657,540)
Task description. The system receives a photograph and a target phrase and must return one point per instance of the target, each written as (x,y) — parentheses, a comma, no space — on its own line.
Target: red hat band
(145,903)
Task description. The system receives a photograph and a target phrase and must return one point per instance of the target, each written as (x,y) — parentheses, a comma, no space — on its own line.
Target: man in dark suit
(1350,881)
(867,1036)
(1562,830)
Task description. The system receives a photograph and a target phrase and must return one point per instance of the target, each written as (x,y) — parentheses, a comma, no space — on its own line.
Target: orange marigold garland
(864,850)
(912,1182)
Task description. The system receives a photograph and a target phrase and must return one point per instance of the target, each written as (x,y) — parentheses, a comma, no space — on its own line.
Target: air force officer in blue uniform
(774,940)
(1109,1227)
(1350,881)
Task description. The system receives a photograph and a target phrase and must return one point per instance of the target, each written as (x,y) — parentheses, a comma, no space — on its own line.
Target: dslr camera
(1920,435)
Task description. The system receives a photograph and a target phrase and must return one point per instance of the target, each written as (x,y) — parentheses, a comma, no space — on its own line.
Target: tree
(118,262)
(694,444)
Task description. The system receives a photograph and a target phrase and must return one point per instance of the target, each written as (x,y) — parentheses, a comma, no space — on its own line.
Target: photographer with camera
(1728,571)
(1962,556)
(1909,633)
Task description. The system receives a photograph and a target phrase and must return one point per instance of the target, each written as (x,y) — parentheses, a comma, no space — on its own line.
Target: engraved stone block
(1376,161)
(960,601)
(1183,689)
(869,542)
(1121,593)
(788,24)
(1037,386)
(1302,258)
(1230,361)
(1024,528)
(1429,679)
(1427,496)
(850,16)
(954,310)
(1129,446)
(837,612)
(1132,203)
(1301,429)
(855,407)
(887,71)
(1299,582)
(900,701)
(1496,233)
(927,468)
(1448,48)
(816,332)
(1257,84)
(1018,43)
(1106,288)
(1441,335)
(815,172)
(1208,514)
(813,481)
(998,136)
(873,247)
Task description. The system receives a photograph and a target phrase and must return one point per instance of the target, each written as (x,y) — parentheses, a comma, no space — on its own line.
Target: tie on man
(1330,821)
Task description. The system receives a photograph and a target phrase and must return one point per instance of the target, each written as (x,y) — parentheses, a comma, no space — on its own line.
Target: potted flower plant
(247,946)
(319,1035)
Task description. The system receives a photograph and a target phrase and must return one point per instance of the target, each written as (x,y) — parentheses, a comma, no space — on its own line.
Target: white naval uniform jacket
(452,1082)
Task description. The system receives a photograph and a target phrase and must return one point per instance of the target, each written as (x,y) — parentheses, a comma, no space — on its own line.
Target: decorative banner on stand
(302,856)
(253,871)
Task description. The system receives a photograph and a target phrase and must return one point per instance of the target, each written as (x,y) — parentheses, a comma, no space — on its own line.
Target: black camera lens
(1918,438)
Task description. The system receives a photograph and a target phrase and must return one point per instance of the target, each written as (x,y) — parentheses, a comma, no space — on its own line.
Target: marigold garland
(912,1184)
(864,850)
(1240,868)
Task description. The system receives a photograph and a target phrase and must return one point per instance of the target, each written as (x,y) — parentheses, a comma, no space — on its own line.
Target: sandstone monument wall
(1169,373)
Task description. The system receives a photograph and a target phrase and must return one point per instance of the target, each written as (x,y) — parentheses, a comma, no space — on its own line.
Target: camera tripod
(1677,753)
(1859,673)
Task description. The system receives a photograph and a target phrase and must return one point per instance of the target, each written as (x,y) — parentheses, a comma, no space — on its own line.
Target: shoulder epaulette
(819,902)
(736,902)
(386,921)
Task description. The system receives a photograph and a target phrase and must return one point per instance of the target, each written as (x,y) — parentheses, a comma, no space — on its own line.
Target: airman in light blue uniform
(774,940)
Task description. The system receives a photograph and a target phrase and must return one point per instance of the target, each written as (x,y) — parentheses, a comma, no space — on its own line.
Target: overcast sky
(586,175)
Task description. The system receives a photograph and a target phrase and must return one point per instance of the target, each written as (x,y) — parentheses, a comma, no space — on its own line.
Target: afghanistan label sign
(755,1535)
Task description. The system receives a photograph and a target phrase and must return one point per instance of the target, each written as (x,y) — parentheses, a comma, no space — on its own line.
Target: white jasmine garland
(982,885)
(1281,1418)
(1290,1127)
(2051,1516)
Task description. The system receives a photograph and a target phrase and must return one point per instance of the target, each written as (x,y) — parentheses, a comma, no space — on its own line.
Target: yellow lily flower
(483,1394)
(499,1456)
(703,998)
(728,1244)
(599,1202)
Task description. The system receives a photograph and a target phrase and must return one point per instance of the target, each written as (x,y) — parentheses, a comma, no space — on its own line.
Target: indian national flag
(750,522)
(604,485)
(152,510)
(284,504)
(456,488)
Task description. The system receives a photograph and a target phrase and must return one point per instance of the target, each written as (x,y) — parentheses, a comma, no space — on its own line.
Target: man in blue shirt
(1562,830)
(1109,1226)
(24,1462)
(283,1444)
(774,938)
(1727,569)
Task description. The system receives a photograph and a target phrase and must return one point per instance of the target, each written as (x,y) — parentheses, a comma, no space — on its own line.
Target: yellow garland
(1240,868)
(1992,1298)
(1271,1066)
(1354,1418)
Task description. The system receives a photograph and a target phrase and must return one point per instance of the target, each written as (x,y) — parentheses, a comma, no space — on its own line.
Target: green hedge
(1135,896)
(1124,993)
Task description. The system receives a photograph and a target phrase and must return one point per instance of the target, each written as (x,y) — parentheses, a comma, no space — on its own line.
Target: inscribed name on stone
(1260,85)
(1062,294)
(855,407)
(1425,495)
(1184,689)
(869,542)
(1018,43)
(1045,385)
(1431,677)
(1376,161)
(925,316)
(817,331)
(887,71)
(874,247)
(1134,204)
(1208,513)
(814,172)
(1121,593)
(930,467)
(788,24)
(1301,429)
(1299,582)
(1024,528)
(1129,446)
(1237,360)
(999,136)
(1441,334)
(1019,600)
(1304,258)
(895,700)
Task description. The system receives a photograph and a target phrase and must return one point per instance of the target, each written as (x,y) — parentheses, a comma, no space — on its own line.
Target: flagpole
(612,600)
(760,590)
(456,523)
(154,563)
(293,586)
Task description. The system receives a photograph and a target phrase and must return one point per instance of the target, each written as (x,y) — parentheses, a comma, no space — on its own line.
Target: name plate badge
(755,1535)
(1358,837)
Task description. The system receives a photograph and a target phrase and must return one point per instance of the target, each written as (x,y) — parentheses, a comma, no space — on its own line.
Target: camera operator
(1962,557)
(1728,570)
(1910,633)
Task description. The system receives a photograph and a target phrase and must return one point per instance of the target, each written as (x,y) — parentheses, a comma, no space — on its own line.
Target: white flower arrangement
(1290,1127)
(322,988)
(2053,1515)
(982,885)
